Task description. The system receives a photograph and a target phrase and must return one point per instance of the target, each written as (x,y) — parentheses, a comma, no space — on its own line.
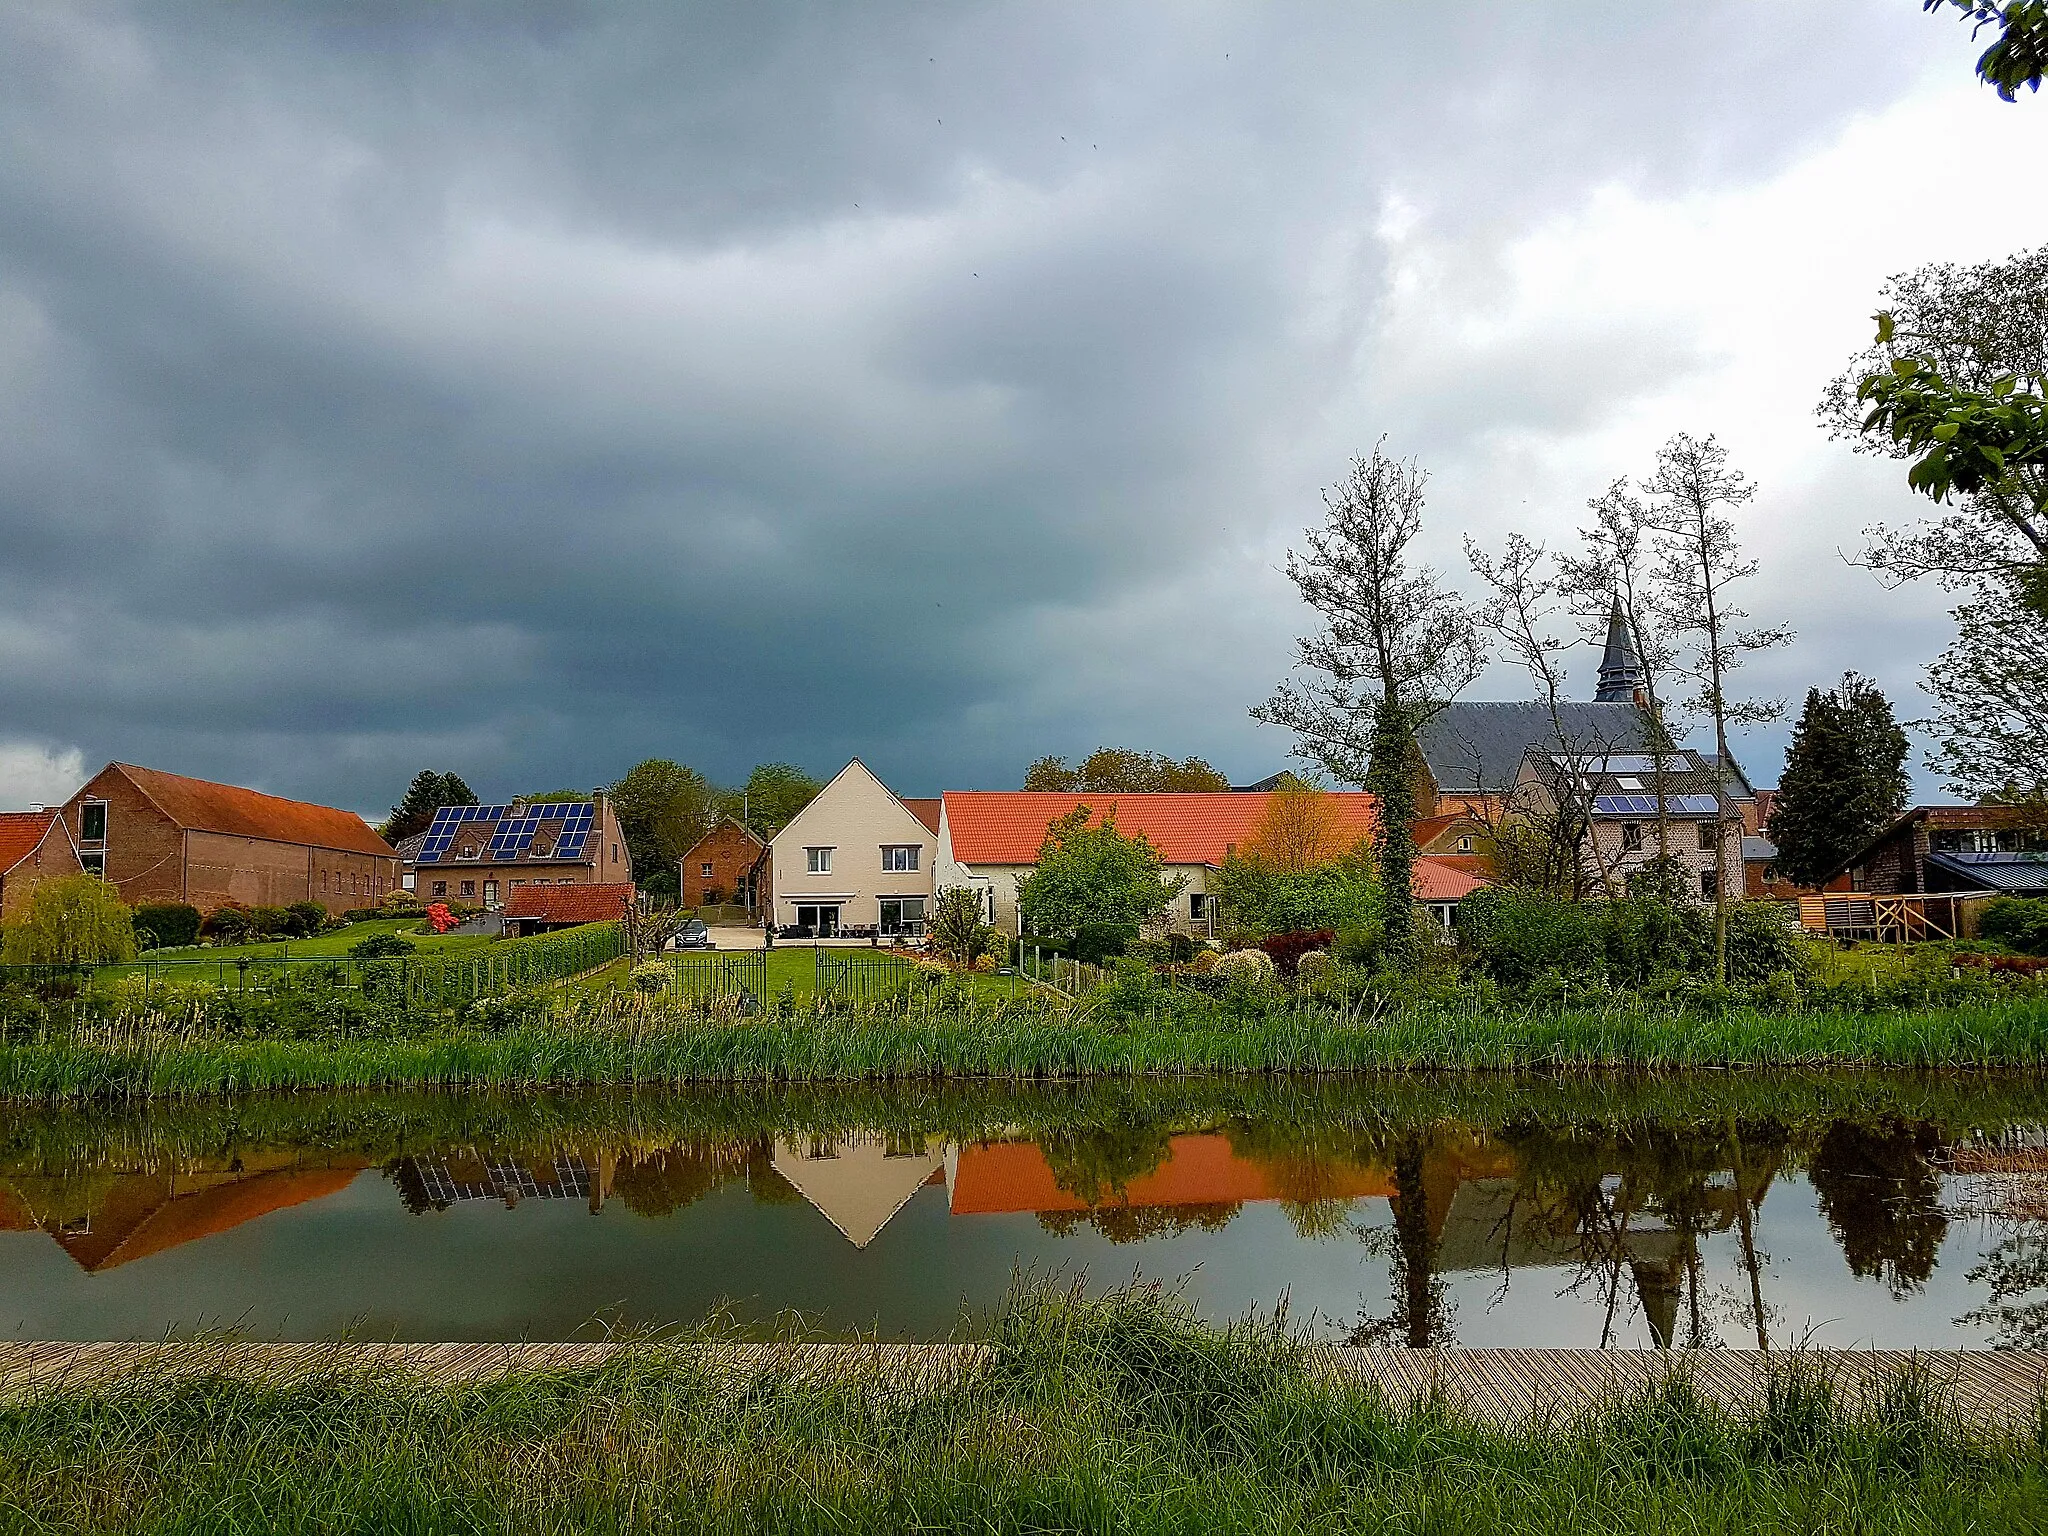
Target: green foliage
(75,920)
(2016,923)
(1098,943)
(663,808)
(1344,893)
(1844,780)
(771,797)
(651,977)
(1088,872)
(171,924)
(1119,770)
(1518,938)
(380,946)
(2019,55)
(1966,440)
(427,793)
(955,930)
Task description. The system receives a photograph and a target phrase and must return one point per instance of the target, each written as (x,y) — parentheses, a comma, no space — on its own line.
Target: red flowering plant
(440,917)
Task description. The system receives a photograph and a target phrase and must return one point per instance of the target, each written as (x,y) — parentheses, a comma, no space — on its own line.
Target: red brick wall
(52,860)
(145,848)
(730,852)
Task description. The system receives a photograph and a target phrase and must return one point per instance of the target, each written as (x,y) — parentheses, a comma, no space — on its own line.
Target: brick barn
(728,863)
(163,837)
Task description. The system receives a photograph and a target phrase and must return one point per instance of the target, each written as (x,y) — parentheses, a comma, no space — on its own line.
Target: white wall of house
(859,821)
(998,885)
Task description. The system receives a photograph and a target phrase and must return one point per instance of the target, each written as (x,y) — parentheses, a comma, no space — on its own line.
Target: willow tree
(75,920)
(1395,647)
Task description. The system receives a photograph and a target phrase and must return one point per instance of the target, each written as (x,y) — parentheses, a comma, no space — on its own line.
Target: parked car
(693,935)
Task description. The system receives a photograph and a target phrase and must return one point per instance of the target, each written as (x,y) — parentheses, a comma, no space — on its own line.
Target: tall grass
(1119,1413)
(628,1041)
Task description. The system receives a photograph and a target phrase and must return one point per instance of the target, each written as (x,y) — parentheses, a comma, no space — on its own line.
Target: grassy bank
(628,1041)
(1122,1413)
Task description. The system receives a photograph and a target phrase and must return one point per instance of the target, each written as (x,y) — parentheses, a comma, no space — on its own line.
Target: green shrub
(75,920)
(380,946)
(1095,943)
(170,924)
(651,977)
(1341,894)
(227,924)
(303,919)
(1518,936)
(2017,923)
(269,922)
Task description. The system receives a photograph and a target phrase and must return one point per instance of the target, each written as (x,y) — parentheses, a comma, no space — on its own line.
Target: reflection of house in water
(107,1219)
(436,1183)
(858,1182)
(1198,1170)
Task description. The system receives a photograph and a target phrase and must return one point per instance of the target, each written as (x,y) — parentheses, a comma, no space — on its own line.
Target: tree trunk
(1391,778)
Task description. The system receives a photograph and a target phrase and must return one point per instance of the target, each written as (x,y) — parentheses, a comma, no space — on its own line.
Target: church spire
(1621,671)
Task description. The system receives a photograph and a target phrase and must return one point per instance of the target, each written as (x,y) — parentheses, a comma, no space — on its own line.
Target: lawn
(337,943)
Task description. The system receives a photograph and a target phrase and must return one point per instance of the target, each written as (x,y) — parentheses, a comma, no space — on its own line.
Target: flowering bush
(650,977)
(440,918)
(1252,967)
(1313,967)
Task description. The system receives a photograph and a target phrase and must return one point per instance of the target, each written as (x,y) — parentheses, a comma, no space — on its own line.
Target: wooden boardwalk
(1993,1391)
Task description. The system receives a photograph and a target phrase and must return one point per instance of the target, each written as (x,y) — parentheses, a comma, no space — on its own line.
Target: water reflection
(1750,1213)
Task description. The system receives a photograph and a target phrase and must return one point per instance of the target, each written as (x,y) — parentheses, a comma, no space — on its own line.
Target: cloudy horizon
(529,390)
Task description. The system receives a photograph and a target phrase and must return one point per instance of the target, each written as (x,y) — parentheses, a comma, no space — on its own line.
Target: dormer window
(1629,783)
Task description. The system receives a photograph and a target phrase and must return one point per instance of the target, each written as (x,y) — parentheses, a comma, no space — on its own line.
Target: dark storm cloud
(529,389)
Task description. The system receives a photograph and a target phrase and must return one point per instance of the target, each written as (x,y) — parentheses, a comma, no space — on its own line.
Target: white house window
(900,858)
(704,870)
(93,864)
(1627,783)
(1465,844)
(1631,836)
(92,821)
(818,861)
(1198,906)
(902,914)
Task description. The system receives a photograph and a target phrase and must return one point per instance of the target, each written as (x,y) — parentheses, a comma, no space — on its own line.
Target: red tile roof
(569,903)
(1445,877)
(1008,826)
(20,833)
(208,807)
(925,810)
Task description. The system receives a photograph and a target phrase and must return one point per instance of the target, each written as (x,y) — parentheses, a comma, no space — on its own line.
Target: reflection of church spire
(1621,670)
(1659,1287)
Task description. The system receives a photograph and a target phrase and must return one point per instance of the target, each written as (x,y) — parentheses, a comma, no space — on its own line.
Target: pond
(1627,1212)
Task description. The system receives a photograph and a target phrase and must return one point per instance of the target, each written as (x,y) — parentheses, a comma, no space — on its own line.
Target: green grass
(621,1039)
(337,943)
(1121,1413)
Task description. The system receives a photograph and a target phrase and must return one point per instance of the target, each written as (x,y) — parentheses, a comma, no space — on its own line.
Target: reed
(1120,1413)
(627,1041)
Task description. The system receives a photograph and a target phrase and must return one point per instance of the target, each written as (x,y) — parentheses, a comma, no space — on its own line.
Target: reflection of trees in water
(1421,1316)
(1097,1164)
(2016,1270)
(660,1183)
(1135,1223)
(1882,1199)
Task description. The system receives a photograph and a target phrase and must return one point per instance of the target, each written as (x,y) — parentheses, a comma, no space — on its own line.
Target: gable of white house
(853,848)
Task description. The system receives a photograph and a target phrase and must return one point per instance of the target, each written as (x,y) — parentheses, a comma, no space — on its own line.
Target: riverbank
(1122,1413)
(627,1042)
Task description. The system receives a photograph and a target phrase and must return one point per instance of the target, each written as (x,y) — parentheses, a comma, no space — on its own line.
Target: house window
(1198,906)
(902,914)
(1465,844)
(93,864)
(1708,882)
(440,887)
(900,858)
(1706,831)
(92,821)
(1631,837)
(1628,783)
(818,861)
(491,894)
(704,870)
(469,887)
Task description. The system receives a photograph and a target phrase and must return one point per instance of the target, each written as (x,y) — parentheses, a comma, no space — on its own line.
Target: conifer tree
(1843,783)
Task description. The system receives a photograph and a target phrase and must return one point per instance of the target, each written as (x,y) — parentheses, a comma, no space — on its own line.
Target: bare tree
(1698,559)
(1396,646)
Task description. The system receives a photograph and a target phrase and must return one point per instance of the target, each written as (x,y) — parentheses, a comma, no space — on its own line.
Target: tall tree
(1395,647)
(1299,829)
(771,797)
(1844,780)
(1955,381)
(2018,55)
(1089,872)
(663,808)
(1692,493)
(72,920)
(1991,703)
(1120,770)
(427,793)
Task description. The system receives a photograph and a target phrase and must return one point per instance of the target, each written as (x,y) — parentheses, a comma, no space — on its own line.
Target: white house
(856,857)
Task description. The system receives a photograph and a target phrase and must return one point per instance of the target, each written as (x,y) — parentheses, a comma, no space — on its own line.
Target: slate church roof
(1480,746)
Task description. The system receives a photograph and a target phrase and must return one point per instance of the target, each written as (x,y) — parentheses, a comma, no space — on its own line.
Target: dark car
(693,935)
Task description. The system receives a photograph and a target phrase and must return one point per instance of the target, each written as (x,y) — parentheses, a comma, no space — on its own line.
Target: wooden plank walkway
(1993,1391)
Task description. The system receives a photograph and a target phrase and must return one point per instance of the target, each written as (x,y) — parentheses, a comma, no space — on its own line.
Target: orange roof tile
(208,807)
(1446,876)
(1008,826)
(20,833)
(569,903)
(925,810)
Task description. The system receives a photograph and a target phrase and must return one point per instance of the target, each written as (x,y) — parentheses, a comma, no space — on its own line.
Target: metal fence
(861,975)
(706,975)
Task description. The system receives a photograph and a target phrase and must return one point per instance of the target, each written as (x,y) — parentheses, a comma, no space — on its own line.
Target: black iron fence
(861,975)
(708,975)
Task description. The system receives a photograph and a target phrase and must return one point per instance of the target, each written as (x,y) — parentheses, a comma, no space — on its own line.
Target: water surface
(1846,1211)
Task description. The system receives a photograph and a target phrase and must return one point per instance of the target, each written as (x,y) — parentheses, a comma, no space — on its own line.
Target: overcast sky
(528,390)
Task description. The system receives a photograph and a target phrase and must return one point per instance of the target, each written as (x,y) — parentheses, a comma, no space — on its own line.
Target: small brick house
(163,837)
(33,848)
(480,854)
(537,908)
(730,863)
(1937,848)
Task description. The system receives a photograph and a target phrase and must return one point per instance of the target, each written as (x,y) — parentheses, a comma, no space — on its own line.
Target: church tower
(1621,670)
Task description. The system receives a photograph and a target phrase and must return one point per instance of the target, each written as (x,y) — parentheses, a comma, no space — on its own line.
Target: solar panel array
(512,837)
(1646,805)
(1620,762)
